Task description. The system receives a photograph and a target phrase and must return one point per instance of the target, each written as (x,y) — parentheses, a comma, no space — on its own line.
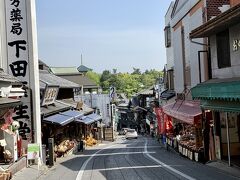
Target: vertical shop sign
(18,59)
(198,133)
(160,120)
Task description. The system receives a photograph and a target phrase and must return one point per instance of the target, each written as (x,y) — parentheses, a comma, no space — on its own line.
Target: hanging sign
(50,95)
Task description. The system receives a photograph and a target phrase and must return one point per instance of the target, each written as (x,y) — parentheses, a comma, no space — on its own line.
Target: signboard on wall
(236,44)
(50,95)
(18,59)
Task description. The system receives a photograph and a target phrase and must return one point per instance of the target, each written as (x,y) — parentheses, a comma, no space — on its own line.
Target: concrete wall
(183,7)
(169,50)
(195,21)
(189,20)
(234,70)
(178,62)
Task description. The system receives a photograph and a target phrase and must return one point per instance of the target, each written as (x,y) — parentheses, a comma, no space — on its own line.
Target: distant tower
(83,69)
(81,60)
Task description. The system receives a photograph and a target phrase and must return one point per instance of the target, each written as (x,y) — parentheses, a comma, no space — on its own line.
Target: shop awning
(89,119)
(9,103)
(59,119)
(186,111)
(218,89)
(73,113)
(221,106)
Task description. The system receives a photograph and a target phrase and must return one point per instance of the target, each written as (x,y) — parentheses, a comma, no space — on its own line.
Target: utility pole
(111,116)
(112,95)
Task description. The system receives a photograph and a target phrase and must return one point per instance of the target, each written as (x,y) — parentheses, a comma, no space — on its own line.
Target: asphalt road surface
(143,158)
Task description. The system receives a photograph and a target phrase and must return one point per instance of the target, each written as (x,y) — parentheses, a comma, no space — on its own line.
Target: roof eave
(218,24)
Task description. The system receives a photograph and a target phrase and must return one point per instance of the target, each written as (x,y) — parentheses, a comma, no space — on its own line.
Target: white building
(189,69)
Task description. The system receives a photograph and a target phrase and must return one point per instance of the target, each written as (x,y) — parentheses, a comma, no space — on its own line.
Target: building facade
(196,60)
(220,95)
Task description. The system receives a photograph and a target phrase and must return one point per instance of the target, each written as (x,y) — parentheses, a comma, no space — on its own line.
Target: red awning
(186,111)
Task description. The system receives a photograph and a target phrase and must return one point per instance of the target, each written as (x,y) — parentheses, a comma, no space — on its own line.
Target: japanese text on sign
(18,59)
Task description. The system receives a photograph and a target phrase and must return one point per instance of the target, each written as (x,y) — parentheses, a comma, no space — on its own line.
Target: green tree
(106,75)
(95,77)
(136,71)
(129,83)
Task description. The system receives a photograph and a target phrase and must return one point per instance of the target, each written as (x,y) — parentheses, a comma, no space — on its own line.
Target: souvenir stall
(62,127)
(12,128)
(183,121)
(10,138)
(91,130)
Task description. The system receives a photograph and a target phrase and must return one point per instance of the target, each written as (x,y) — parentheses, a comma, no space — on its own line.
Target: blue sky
(109,34)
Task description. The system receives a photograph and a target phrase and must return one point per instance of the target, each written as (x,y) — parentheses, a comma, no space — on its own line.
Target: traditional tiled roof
(83,68)
(80,79)
(63,70)
(9,102)
(53,80)
(7,77)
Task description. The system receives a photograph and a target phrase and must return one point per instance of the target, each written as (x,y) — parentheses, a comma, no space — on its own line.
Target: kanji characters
(18,47)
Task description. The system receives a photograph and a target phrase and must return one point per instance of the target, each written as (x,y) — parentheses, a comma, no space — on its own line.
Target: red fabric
(159,115)
(186,111)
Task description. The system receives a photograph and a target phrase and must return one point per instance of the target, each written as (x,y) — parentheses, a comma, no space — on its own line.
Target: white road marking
(139,147)
(80,173)
(121,153)
(130,167)
(167,166)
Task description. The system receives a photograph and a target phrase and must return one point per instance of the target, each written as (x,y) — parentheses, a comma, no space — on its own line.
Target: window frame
(223,49)
(167,34)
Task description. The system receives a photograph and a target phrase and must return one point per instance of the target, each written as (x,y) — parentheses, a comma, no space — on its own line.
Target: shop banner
(198,133)
(18,59)
(159,114)
(160,119)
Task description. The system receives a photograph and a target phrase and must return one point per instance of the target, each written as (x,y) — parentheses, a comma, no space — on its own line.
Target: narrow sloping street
(143,158)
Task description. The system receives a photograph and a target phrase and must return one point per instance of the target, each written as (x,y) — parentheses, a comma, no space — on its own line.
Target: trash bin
(80,146)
